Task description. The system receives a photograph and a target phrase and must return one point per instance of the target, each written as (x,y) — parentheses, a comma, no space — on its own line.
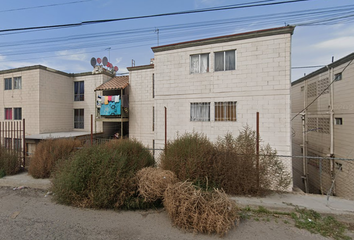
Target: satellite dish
(99,60)
(104,61)
(116,68)
(93,62)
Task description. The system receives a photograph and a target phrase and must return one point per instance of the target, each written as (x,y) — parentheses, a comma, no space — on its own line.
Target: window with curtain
(199,63)
(79,118)
(225,61)
(8,113)
(225,111)
(200,112)
(17,82)
(8,83)
(79,91)
(17,113)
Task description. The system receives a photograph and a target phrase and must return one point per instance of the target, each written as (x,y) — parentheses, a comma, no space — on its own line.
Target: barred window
(225,111)
(200,112)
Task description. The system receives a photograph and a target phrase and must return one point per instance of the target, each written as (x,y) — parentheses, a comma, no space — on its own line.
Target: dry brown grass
(152,183)
(48,153)
(200,211)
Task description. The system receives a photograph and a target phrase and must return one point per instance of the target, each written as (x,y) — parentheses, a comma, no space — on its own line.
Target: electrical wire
(220,8)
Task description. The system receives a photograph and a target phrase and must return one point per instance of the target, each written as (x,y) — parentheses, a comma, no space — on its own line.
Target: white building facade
(215,86)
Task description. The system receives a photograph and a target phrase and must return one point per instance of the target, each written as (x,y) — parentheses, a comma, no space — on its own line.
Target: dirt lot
(27,214)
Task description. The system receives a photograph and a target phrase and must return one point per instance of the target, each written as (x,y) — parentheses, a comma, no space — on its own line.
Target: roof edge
(41,67)
(142,67)
(226,38)
(325,68)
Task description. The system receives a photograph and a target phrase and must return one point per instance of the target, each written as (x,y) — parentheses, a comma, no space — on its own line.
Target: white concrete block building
(51,101)
(215,86)
(325,99)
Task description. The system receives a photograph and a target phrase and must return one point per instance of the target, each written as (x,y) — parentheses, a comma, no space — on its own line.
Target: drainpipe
(304,147)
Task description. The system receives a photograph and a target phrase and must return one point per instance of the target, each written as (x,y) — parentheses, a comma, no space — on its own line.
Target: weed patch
(10,162)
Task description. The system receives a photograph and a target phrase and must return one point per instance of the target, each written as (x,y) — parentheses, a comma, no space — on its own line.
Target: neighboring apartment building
(54,103)
(325,99)
(215,86)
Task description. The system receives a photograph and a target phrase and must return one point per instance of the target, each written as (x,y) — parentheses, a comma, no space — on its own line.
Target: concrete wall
(141,104)
(26,98)
(261,82)
(318,136)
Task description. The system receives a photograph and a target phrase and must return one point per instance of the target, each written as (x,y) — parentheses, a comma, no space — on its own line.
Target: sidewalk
(275,201)
(26,180)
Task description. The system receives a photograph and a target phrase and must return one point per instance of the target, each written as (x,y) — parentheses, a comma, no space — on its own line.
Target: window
(17,144)
(225,111)
(338,77)
(153,85)
(17,113)
(199,63)
(79,118)
(200,112)
(225,61)
(339,121)
(8,113)
(8,83)
(79,91)
(153,118)
(17,82)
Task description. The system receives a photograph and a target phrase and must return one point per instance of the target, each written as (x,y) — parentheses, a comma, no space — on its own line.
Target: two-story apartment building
(323,126)
(54,103)
(215,86)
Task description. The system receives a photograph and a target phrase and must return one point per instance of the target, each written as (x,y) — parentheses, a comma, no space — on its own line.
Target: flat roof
(142,67)
(34,67)
(227,38)
(337,63)
(42,136)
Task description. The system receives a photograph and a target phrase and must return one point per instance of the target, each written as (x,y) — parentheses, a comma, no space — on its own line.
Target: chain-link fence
(326,176)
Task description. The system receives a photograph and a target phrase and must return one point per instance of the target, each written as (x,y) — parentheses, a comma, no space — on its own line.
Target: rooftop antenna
(133,63)
(109,53)
(157,31)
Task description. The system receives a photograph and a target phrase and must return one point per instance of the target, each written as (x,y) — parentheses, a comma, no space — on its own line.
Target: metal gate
(12,137)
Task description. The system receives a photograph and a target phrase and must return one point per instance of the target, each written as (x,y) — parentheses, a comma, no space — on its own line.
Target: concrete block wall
(141,104)
(261,82)
(26,98)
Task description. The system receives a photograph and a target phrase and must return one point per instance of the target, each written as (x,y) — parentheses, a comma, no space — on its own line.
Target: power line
(324,90)
(221,8)
(43,6)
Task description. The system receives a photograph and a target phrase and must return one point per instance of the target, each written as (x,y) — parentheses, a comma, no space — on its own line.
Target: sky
(324,28)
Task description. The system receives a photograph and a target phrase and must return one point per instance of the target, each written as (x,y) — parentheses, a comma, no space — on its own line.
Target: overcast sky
(70,49)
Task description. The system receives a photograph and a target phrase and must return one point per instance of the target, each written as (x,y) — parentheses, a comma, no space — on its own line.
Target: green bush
(191,157)
(230,163)
(10,162)
(47,154)
(102,176)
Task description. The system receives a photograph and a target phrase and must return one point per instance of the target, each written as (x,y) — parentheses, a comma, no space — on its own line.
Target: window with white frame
(199,63)
(200,112)
(7,83)
(17,82)
(225,111)
(17,113)
(79,91)
(225,60)
(8,113)
(79,118)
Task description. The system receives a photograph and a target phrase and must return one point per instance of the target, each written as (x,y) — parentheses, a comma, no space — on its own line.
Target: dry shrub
(102,176)
(152,183)
(229,164)
(10,162)
(47,154)
(200,211)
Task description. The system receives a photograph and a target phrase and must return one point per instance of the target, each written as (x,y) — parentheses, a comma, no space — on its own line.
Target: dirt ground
(28,214)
